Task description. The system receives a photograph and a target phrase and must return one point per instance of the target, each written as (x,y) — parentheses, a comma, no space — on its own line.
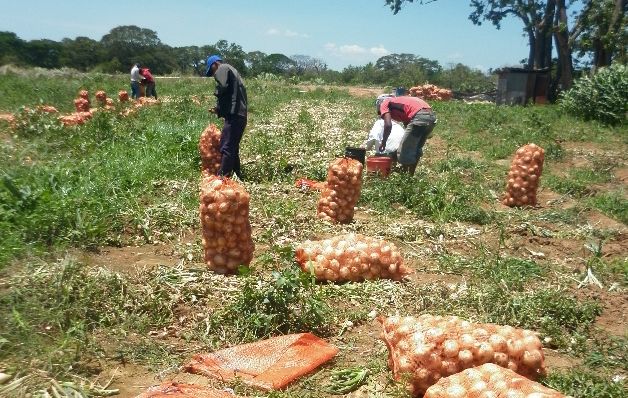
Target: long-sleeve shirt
(230,92)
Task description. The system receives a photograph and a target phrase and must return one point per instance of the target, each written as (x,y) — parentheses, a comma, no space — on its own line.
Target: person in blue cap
(231,105)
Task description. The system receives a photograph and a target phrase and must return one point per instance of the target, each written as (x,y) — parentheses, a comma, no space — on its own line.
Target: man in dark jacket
(232,106)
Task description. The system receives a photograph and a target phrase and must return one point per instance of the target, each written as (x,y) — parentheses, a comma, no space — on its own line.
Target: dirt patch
(600,221)
(554,360)
(130,259)
(362,92)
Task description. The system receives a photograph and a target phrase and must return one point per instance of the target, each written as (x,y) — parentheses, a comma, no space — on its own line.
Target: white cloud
(379,51)
(455,56)
(286,33)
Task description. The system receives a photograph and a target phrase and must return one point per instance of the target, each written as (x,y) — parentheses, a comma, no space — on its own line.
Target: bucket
(379,165)
(355,153)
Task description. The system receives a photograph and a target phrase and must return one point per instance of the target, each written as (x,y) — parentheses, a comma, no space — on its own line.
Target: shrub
(603,97)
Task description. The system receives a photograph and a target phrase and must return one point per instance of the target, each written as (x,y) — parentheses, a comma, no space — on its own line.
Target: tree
(81,53)
(43,53)
(603,32)
(129,43)
(304,64)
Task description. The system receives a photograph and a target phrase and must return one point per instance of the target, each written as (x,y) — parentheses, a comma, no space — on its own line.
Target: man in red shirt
(149,82)
(417,117)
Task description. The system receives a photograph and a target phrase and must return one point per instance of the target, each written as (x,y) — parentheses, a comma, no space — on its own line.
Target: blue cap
(210,61)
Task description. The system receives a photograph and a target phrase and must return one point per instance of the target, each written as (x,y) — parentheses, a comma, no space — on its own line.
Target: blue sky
(340,32)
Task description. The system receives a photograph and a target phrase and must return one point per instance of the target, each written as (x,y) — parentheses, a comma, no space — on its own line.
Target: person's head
(212,64)
(137,65)
(379,100)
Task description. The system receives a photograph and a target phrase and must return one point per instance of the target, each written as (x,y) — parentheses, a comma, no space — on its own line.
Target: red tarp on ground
(268,364)
(179,390)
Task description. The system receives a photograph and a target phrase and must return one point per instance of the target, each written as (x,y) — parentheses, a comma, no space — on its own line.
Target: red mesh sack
(490,381)
(268,364)
(81,105)
(179,390)
(123,96)
(339,197)
(101,97)
(351,257)
(523,177)
(430,347)
(209,149)
(224,212)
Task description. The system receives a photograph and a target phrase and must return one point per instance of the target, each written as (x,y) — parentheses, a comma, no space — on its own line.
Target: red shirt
(147,75)
(402,109)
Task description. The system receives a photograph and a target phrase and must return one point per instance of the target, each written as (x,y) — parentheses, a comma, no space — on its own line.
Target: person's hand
(382,147)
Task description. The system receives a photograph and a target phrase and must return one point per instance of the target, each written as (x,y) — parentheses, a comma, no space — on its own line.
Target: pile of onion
(75,118)
(430,347)
(209,148)
(523,177)
(224,212)
(339,197)
(101,97)
(81,105)
(123,96)
(351,257)
(489,380)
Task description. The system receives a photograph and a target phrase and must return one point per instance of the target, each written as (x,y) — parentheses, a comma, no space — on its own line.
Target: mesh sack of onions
(430,347)
(123,96)
(489,380)
(209,149)
(351,257)
(224,212)
(84,94)
(339,197)
(523,177)
(101,97)
(81,105)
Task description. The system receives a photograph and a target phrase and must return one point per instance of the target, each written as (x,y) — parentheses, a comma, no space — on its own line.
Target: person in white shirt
(135,81)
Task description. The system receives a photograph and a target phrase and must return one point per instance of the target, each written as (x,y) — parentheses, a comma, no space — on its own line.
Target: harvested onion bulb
(209,149)
(523,177)
(339,197)
(351,257)
(224,213)
(440,346)
(489,380)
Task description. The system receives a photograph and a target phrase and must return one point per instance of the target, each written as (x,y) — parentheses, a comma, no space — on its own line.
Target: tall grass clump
(603,97)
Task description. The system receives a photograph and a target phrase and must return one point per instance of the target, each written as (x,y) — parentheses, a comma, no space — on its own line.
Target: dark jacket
(230,92)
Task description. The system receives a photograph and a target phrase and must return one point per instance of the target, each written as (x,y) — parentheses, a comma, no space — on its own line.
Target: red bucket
(379,165)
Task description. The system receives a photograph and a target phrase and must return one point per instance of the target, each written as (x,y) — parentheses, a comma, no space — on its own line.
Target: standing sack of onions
(209,148)
(339,197)
(123,96)
(523,177)
(101,97)
(224,212)
(489,380)
(351,257)
(430,347)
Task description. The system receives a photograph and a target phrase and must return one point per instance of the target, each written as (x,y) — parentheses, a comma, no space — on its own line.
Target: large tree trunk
(561,35)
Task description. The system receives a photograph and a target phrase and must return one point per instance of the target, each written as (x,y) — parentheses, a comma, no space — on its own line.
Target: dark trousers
(230,145)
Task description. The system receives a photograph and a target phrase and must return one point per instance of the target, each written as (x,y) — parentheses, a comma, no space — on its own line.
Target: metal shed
(519,86)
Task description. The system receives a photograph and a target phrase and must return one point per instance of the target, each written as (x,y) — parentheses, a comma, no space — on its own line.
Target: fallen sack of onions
(523,177)
(429,347)
(224,213)
(489,380)
(351,257)
(209,149)
(339,197)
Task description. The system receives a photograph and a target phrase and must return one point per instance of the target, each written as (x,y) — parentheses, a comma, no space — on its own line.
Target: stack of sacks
(339,197)
(490,381)
(224,212)
(430,347)
(209,149)
(351,257)
(523,177)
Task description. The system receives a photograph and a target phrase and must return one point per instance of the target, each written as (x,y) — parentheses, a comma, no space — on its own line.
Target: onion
(450,348)
(456,391)
(498,343)
(515,348)
(532,359)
